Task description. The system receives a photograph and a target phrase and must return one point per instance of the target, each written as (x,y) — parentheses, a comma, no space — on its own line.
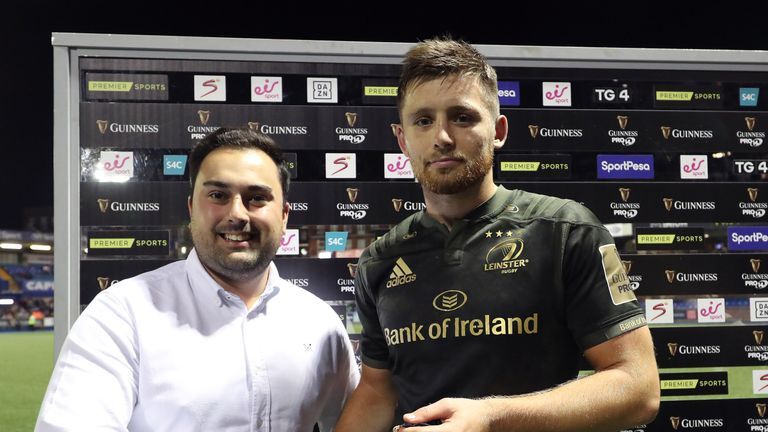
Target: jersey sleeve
(373,343)
(600,304)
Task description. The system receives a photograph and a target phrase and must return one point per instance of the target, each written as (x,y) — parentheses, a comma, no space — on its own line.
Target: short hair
(441,58)
(238,139)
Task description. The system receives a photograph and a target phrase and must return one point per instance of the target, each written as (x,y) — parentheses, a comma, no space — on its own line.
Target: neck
(249,290)
(448,208)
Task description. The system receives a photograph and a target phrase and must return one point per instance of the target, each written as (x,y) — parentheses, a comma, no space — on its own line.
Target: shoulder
(305,303)
(537,206)
(140,287)
(399,240)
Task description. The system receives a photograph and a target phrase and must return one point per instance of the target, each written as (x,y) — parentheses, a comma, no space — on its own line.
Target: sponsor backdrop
(672,161)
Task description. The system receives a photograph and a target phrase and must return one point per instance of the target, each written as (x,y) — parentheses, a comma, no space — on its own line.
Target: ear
(286,210)
(397,131)
(500,137)
(189,206)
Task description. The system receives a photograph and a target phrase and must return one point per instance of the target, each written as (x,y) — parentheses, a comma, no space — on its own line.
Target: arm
(372,405)
(623,392)
(345,378)
(94,383)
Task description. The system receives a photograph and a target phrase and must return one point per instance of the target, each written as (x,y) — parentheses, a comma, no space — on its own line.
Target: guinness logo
(352,267)
(672,347)
(623,120)
(352,194)
(670,275)
(750,123)
(624,193)
(755,265)
(533,130)
(204,116)
(668,203)
(103,204)
(450,300)
(254,126)
(752,194)
(351,118)
(758,335)
(627,265)
(102,124)
(675,422)
(666,131)
(103,282)
(397,203)
(760,409)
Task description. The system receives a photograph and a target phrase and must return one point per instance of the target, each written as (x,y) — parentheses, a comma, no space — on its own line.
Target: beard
(240,265)
(447,182)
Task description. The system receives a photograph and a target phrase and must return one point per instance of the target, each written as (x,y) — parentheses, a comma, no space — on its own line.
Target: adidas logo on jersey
(401,274)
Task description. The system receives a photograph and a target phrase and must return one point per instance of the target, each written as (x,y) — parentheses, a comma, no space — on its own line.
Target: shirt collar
(210,291)
(492,207)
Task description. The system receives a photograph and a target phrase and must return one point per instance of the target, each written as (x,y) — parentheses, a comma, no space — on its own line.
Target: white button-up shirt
(170,350)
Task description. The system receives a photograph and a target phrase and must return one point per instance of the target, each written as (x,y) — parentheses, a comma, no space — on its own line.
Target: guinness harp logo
(623,120)
(627,265)
(351,118)
(397,203)
(103,282)
(760,409)
(352,267)
(675,422)
(752,194)
(624,193)
(102,124)
(668,203)
(758,335)
(254,126)
(204,116)
(750,123)
(670,274)
(533,130)
(666,131)
(755,265)
(103,204)
(672,347)
(352,194)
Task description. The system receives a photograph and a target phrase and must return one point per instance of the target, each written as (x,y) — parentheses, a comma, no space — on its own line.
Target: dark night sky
(26,105)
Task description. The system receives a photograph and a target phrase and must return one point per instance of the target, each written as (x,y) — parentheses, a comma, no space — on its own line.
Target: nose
(443,137)
(238,213)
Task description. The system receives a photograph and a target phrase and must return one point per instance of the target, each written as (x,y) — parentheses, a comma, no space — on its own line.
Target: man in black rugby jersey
(477,311)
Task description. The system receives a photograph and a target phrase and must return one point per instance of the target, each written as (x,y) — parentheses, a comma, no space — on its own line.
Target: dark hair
(242,139)
(441,58)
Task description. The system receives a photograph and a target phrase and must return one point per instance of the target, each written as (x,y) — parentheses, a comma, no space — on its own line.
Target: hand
(457,415)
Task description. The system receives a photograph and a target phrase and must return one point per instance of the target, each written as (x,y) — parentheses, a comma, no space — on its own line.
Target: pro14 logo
(625,137)
(625,209)
(612,95)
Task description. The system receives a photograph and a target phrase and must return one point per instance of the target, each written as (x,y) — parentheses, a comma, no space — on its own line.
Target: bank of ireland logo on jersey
(615,275)
(401,274)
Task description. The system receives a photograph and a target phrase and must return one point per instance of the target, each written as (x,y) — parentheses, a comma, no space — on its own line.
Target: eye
(258,200)
(464,118)
(217,196)
(423,121)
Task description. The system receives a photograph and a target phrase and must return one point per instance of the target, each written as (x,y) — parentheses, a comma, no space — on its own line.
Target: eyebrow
(223,185)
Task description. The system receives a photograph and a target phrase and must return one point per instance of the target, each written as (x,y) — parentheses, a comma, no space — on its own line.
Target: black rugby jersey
(504,303)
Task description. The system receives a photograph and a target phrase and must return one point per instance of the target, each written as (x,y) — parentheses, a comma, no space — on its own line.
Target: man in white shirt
(218,342)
